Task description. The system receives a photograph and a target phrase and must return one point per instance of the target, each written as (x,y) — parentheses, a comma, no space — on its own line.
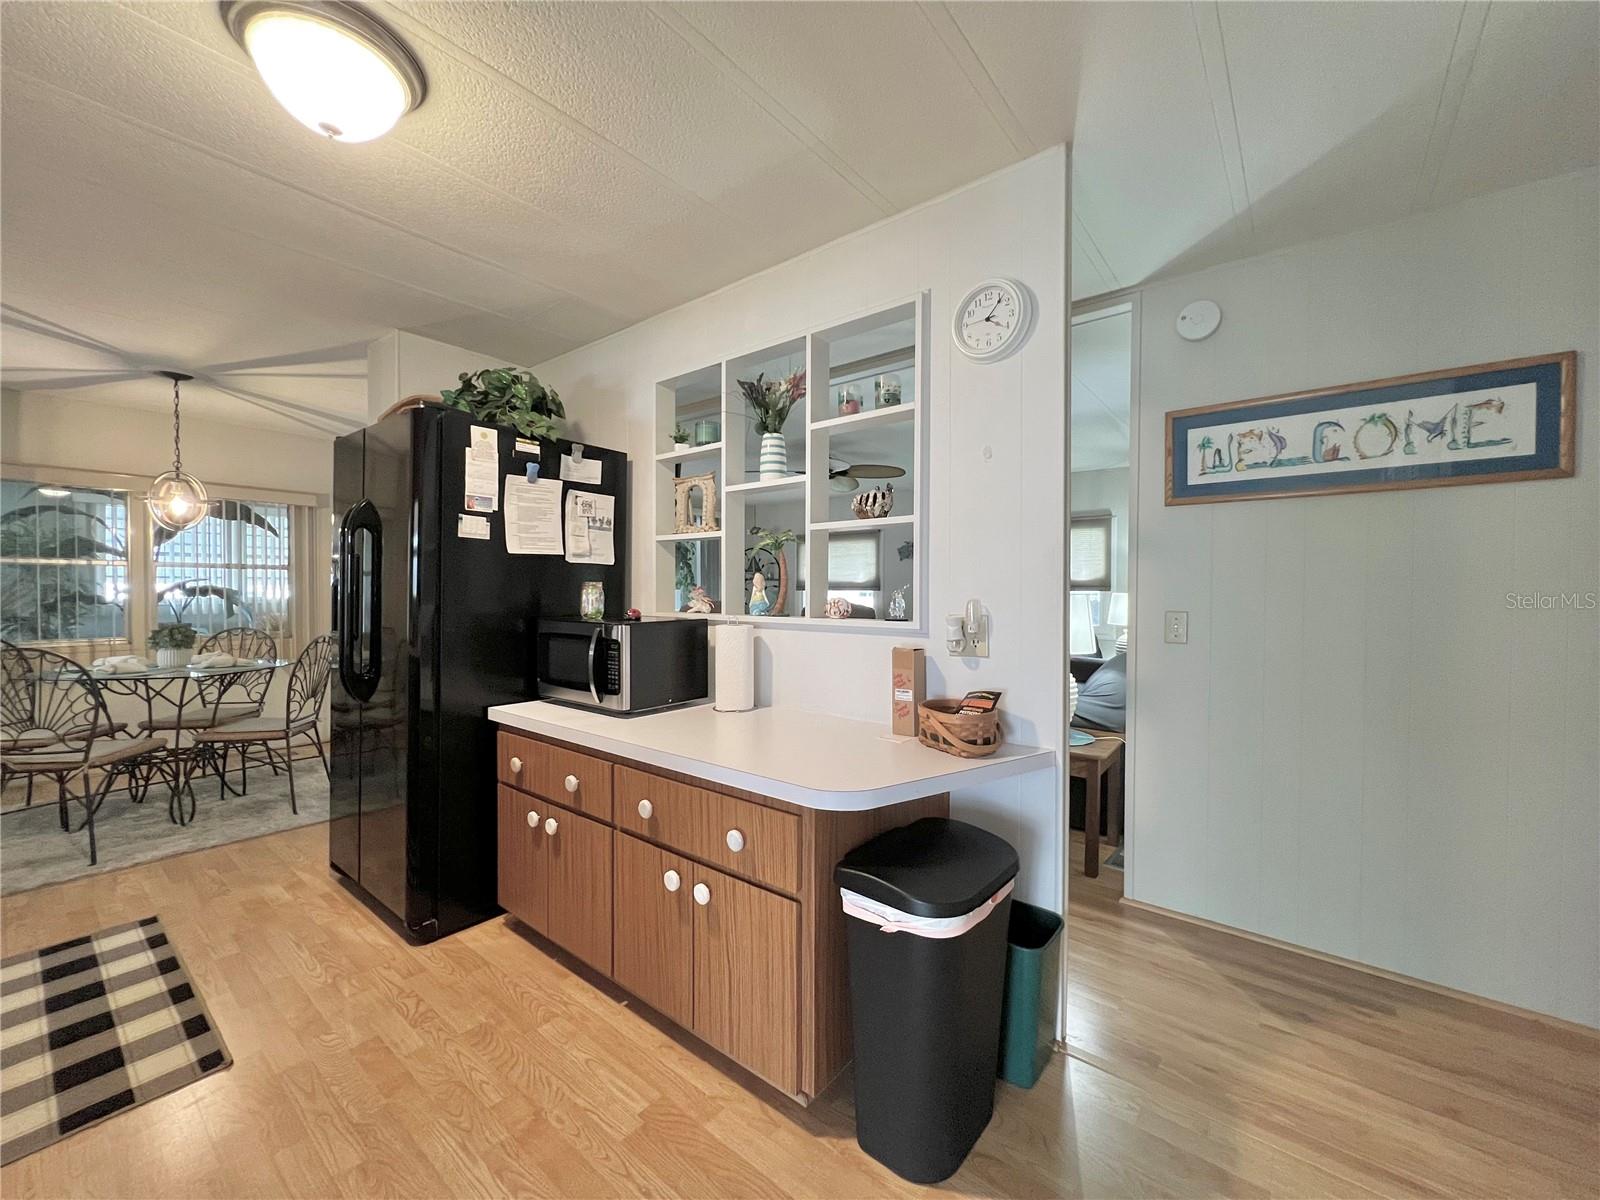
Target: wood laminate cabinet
(655,933)
(555,874)
(747,975)
(717,908)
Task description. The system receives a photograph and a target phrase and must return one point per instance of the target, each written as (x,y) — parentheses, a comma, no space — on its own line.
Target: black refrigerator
(433,626)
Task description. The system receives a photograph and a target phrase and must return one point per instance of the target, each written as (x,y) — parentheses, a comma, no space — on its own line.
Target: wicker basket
(966,735)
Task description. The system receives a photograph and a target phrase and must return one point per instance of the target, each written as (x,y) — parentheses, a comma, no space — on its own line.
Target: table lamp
(1116,621)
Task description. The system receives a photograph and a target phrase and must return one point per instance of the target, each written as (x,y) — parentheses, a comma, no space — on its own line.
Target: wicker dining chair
(308,688)
(67,730)
(212,704)
(18,694)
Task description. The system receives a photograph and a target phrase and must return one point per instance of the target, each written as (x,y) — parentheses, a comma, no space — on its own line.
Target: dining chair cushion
(67,759)
(196,718)
(254,729)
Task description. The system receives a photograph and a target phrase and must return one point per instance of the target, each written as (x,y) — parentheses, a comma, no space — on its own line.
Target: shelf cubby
(867,359)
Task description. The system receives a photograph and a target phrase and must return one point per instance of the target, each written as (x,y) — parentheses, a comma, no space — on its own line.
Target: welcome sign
(1485,424)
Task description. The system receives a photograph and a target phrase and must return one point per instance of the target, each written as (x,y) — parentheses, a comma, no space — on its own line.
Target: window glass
(230,571)
(1090,545)
(63,563)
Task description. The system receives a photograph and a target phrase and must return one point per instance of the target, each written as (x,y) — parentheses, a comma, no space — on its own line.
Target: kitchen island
(688,856)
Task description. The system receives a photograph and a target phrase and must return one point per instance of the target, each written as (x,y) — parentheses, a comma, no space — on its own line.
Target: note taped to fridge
(469,526)
(482,483)
(533,515)
(580,470)
(591,518)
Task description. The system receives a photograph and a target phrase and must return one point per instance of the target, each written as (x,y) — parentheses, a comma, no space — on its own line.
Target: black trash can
(928,905)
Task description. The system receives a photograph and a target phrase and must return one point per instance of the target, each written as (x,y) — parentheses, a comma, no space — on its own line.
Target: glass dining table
(185,700)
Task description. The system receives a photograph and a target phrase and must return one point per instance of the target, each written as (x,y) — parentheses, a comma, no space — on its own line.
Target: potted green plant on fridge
(771,401)
(507,396)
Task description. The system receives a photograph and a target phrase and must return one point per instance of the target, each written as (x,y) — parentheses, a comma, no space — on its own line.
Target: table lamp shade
(1117,609)
(1080,622)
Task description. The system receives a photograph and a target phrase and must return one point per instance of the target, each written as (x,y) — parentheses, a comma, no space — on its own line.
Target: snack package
(979,700)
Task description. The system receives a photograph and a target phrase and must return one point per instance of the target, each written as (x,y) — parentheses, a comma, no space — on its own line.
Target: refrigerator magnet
(469,526)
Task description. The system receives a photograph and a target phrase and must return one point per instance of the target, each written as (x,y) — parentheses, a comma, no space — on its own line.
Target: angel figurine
(759,604)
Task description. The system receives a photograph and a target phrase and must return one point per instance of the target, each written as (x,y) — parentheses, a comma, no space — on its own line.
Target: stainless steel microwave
(623,667)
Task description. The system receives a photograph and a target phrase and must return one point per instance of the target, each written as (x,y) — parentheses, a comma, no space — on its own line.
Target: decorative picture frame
(683,515)
(1496,422)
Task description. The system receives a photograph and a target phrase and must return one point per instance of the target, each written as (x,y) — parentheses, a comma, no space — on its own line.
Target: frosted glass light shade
(177,501)
(334,67)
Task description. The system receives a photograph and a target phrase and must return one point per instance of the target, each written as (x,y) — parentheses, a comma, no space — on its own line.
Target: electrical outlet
(1176,627)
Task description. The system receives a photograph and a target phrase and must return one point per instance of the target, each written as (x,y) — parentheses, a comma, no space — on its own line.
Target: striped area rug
(94,1026)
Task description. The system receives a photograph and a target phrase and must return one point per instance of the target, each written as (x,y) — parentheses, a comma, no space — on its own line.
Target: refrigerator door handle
(363,606)
(594,642)
(343,594)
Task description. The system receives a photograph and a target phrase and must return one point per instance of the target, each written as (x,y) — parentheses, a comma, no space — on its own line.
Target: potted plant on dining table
(173,644)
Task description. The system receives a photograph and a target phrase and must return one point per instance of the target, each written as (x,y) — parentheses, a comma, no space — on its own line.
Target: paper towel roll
(736,668)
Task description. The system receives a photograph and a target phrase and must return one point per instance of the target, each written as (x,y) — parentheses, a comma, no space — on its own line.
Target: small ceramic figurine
(760,606)
(897,604)
(879,502)
(700,601)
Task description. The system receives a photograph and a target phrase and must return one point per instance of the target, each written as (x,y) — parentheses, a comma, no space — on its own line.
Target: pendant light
(177,500)
(335,67)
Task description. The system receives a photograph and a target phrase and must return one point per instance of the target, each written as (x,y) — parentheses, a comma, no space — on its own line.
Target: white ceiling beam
(1207,16)
(1463,54)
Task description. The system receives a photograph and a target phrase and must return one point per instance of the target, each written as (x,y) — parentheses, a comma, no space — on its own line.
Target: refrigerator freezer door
(344,746)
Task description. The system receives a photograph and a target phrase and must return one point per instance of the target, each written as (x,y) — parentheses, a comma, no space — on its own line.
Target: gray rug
(34,851)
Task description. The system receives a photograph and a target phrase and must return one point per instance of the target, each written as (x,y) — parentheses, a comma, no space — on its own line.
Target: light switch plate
(1175,627)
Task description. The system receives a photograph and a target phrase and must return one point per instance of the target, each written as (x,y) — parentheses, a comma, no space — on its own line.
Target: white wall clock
(992,320)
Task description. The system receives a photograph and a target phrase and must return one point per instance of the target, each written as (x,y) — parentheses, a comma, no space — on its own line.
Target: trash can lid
(934,867)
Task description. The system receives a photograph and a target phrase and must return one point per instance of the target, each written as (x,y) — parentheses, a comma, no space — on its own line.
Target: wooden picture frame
(1497,422)
(683,489)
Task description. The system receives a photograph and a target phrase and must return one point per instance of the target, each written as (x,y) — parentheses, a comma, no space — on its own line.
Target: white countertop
(810,759)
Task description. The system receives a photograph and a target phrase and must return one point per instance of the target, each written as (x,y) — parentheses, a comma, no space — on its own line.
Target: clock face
(991,319)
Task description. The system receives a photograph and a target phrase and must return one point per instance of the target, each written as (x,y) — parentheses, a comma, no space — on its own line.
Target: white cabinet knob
(516,766)
(533,819)
(735,840)
(646,809)
(702,894)
(672,881)
(572,783)
(550,826)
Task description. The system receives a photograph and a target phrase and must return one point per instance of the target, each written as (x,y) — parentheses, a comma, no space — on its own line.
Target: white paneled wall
(1363,748)
(996,484)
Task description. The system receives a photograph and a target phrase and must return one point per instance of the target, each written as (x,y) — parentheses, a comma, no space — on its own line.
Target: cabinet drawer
(708,825)
(573,779)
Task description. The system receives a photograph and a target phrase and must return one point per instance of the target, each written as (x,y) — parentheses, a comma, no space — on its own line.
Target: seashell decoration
(879,502)
(838,608)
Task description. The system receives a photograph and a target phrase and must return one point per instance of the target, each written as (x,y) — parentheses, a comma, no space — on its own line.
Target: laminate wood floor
(1201,1064)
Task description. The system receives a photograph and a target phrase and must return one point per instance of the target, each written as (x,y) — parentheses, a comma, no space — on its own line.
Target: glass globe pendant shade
(332,66)
(177,501)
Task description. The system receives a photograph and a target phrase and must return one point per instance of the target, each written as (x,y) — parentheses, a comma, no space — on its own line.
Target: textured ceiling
(578,167)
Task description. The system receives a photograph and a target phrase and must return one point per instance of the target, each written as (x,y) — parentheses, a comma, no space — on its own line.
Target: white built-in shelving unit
(862,353)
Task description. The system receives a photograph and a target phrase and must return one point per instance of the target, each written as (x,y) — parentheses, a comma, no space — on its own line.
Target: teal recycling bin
(1033,988)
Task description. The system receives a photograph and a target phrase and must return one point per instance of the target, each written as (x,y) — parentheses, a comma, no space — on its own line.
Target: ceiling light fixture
(177,501)
(337,69)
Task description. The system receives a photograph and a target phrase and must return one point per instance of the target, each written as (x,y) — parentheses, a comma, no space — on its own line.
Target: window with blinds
(232,570)
(63,563)
(1089,543)
(855,570)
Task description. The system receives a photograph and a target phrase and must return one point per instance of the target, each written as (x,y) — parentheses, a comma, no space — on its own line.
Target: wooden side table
(1099,761)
